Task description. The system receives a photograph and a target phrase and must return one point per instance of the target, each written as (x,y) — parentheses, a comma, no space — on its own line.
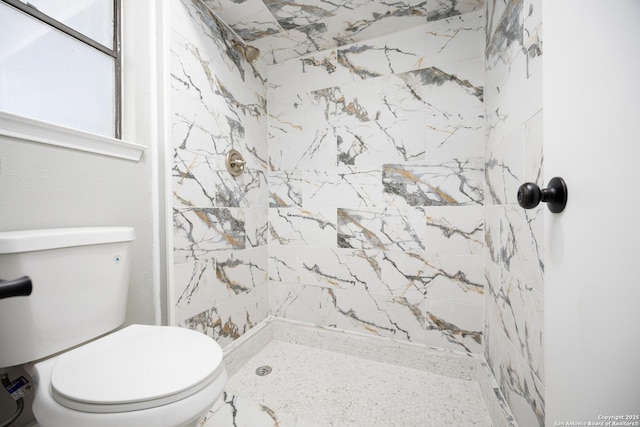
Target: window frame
(34,130)
(114,53)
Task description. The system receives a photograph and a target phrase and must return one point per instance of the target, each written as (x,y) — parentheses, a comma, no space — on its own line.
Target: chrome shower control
(235,163)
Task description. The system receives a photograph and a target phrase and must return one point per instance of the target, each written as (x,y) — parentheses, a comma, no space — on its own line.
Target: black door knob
(555,195)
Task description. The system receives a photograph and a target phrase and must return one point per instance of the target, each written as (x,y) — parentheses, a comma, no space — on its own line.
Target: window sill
(32,130)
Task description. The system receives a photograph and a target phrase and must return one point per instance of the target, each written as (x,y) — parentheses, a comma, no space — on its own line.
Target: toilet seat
(138,367)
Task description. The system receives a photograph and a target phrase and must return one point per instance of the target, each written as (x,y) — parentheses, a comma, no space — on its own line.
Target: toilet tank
(80,282)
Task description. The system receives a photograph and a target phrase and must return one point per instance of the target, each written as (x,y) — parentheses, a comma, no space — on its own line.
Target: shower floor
(310,386)
(314,387)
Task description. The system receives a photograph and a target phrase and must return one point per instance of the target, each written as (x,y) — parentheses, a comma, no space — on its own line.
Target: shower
(249,52)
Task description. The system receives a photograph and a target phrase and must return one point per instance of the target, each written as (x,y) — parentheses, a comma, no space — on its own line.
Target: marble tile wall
(514,266)
(380,191)
(218,102)
(286,29)
(376,185)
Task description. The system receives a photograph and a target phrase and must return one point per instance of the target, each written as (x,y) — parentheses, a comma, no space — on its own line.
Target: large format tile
(446,184)
(217,102)
(302,227)
(198,232)
(382,228)
(446,277)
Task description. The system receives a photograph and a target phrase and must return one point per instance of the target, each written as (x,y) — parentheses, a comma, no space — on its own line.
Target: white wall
(43,186)
(592,291)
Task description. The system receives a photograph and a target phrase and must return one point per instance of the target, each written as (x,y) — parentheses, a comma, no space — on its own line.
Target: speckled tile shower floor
(316,387)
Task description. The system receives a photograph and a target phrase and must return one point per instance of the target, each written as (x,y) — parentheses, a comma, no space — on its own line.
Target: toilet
(85,374)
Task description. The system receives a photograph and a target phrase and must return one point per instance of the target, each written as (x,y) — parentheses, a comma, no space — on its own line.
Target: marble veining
(243,191)
(514,240)
(311,188)
(241,271)
(519,310)
(523,391)
(306,13)
(216,31)
(449,363)
(429,90)
(381,315)
(440,9)
(234,410)
(256,225)
(393,53)
(342,269)
(359,187)
(200,230)
(364,144)
(285,188)
(444,330)
(370,190)
(232,315)
(514,267)
(509,30)
(438,322)
(201,284)
(454,278)
(190,172)
(350,56)
(434,76)
(291,29)
(381,228)
(452,183)
(305,303)
(399,169)
(195,287)
(212,324)
(504,168)
(218,102)
(455,230)
(290,226)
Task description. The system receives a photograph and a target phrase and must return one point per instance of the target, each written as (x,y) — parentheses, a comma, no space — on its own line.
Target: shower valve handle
(235,163)
(555,195)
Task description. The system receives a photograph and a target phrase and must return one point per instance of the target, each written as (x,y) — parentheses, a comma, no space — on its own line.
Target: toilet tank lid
(53,238)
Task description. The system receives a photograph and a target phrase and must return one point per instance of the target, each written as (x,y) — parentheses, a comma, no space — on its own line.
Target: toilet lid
(135,368)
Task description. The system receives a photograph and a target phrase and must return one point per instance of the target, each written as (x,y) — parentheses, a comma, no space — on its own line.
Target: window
(60,63)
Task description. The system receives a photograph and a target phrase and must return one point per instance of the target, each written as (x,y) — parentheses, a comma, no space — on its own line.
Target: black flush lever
(21,287)
(555,195)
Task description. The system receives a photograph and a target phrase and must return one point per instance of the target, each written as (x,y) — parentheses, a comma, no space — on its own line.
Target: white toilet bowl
(139,376)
